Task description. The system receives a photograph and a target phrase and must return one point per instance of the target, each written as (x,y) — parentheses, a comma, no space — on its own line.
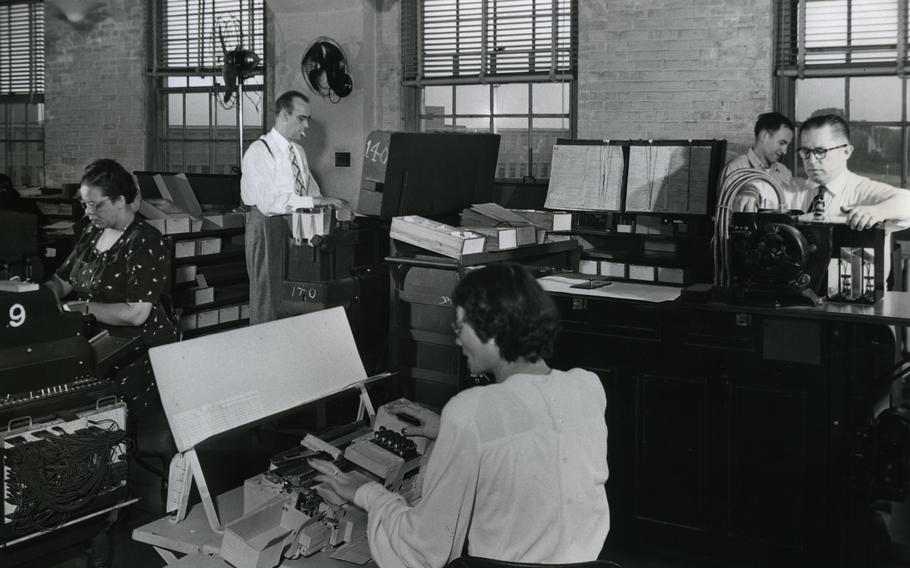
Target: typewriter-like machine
(279,516)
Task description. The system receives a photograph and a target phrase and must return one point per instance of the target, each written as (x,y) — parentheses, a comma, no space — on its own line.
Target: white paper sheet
(585,178)
(623,290)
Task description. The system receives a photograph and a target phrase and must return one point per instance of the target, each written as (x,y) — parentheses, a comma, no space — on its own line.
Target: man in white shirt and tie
(773,135)
(276,181)
(835,193)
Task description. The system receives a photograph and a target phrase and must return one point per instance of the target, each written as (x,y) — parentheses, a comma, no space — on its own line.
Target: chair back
(476,562)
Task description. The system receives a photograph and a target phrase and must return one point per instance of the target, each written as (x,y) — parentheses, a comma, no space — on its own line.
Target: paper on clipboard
(668,179)
(586,177)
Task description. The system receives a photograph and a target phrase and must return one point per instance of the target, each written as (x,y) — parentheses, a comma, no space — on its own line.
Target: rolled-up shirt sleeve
(432,532)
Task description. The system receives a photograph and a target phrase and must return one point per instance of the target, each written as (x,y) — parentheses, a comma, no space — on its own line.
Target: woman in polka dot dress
(120,265)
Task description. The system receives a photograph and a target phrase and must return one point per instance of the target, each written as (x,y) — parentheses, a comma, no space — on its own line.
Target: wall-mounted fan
(325,70)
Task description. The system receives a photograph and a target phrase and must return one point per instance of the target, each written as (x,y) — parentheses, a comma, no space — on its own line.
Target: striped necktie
(818,202)
(299,187)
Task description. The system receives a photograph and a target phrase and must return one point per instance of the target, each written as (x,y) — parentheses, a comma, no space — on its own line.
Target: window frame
(205,77)
(414,82)
(792,65)
(18,137)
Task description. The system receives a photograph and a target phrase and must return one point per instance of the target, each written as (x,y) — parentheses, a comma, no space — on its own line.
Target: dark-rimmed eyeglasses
(93,205)
(819,153)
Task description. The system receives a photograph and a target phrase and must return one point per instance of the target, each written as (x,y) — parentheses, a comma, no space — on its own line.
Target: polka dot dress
(135,268)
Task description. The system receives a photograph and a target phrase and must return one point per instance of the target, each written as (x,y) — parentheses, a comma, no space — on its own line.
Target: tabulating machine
(63,437)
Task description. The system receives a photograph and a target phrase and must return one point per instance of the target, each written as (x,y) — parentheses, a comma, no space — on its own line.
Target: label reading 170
(305,294)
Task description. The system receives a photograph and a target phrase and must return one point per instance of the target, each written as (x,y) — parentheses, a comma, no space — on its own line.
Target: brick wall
(96,91)
(674,69)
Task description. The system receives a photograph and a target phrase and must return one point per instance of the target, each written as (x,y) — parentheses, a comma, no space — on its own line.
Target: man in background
(276,181)
(773,135)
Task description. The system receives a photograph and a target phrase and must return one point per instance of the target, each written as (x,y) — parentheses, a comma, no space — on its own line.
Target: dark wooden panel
(671,441)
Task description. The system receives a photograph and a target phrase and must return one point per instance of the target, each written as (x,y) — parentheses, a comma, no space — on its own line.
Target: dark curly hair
(504,302)
(111,178)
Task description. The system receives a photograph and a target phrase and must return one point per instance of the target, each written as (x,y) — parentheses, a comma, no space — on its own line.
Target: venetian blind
(478,39)
(190,32)
(850,37)
(22,48)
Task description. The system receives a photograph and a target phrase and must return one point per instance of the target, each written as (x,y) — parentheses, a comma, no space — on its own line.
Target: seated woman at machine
(119,270)
(519,466)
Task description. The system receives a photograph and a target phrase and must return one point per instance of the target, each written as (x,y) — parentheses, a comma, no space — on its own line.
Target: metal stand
(240,120)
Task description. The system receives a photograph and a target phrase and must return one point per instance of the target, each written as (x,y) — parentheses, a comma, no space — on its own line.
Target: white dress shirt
(518,470)
(268,178)
(850,189)
(790,189)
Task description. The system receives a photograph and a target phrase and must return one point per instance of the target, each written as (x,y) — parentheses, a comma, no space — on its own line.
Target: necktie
(298,175)
(818,202)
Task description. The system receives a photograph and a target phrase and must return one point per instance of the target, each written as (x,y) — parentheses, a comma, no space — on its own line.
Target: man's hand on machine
(426,422)
(334,479)
(332,202)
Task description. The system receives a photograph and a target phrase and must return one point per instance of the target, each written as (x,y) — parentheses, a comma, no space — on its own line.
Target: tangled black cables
(51,478)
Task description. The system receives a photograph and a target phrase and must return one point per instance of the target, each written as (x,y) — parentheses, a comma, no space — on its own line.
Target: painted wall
(671,69)
(368,32)
(95,99)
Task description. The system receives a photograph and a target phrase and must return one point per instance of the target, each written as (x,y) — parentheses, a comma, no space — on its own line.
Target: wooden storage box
(437,237)
(207,318)
(228,314)
(185,273)
(228,220)
(195,296)
(188,322)
(211,245)
(184,249)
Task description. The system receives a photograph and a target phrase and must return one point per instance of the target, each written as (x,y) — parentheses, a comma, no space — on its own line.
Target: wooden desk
(737,432)
(193,535)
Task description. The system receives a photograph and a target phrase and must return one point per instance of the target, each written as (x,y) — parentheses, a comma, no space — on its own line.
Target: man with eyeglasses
(276,180)
(834,191)
(773,135)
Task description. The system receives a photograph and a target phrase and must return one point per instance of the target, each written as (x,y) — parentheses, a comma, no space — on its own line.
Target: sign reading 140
(16,315)
(376,152)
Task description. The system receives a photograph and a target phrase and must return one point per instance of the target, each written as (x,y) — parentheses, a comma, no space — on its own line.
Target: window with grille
(501,66)
(22,91)
(197,129)
(849,57)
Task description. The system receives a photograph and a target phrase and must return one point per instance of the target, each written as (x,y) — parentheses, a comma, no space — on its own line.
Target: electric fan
(324,68)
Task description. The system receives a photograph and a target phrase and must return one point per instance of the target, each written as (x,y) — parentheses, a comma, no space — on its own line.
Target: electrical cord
(57,475)
(734,183)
